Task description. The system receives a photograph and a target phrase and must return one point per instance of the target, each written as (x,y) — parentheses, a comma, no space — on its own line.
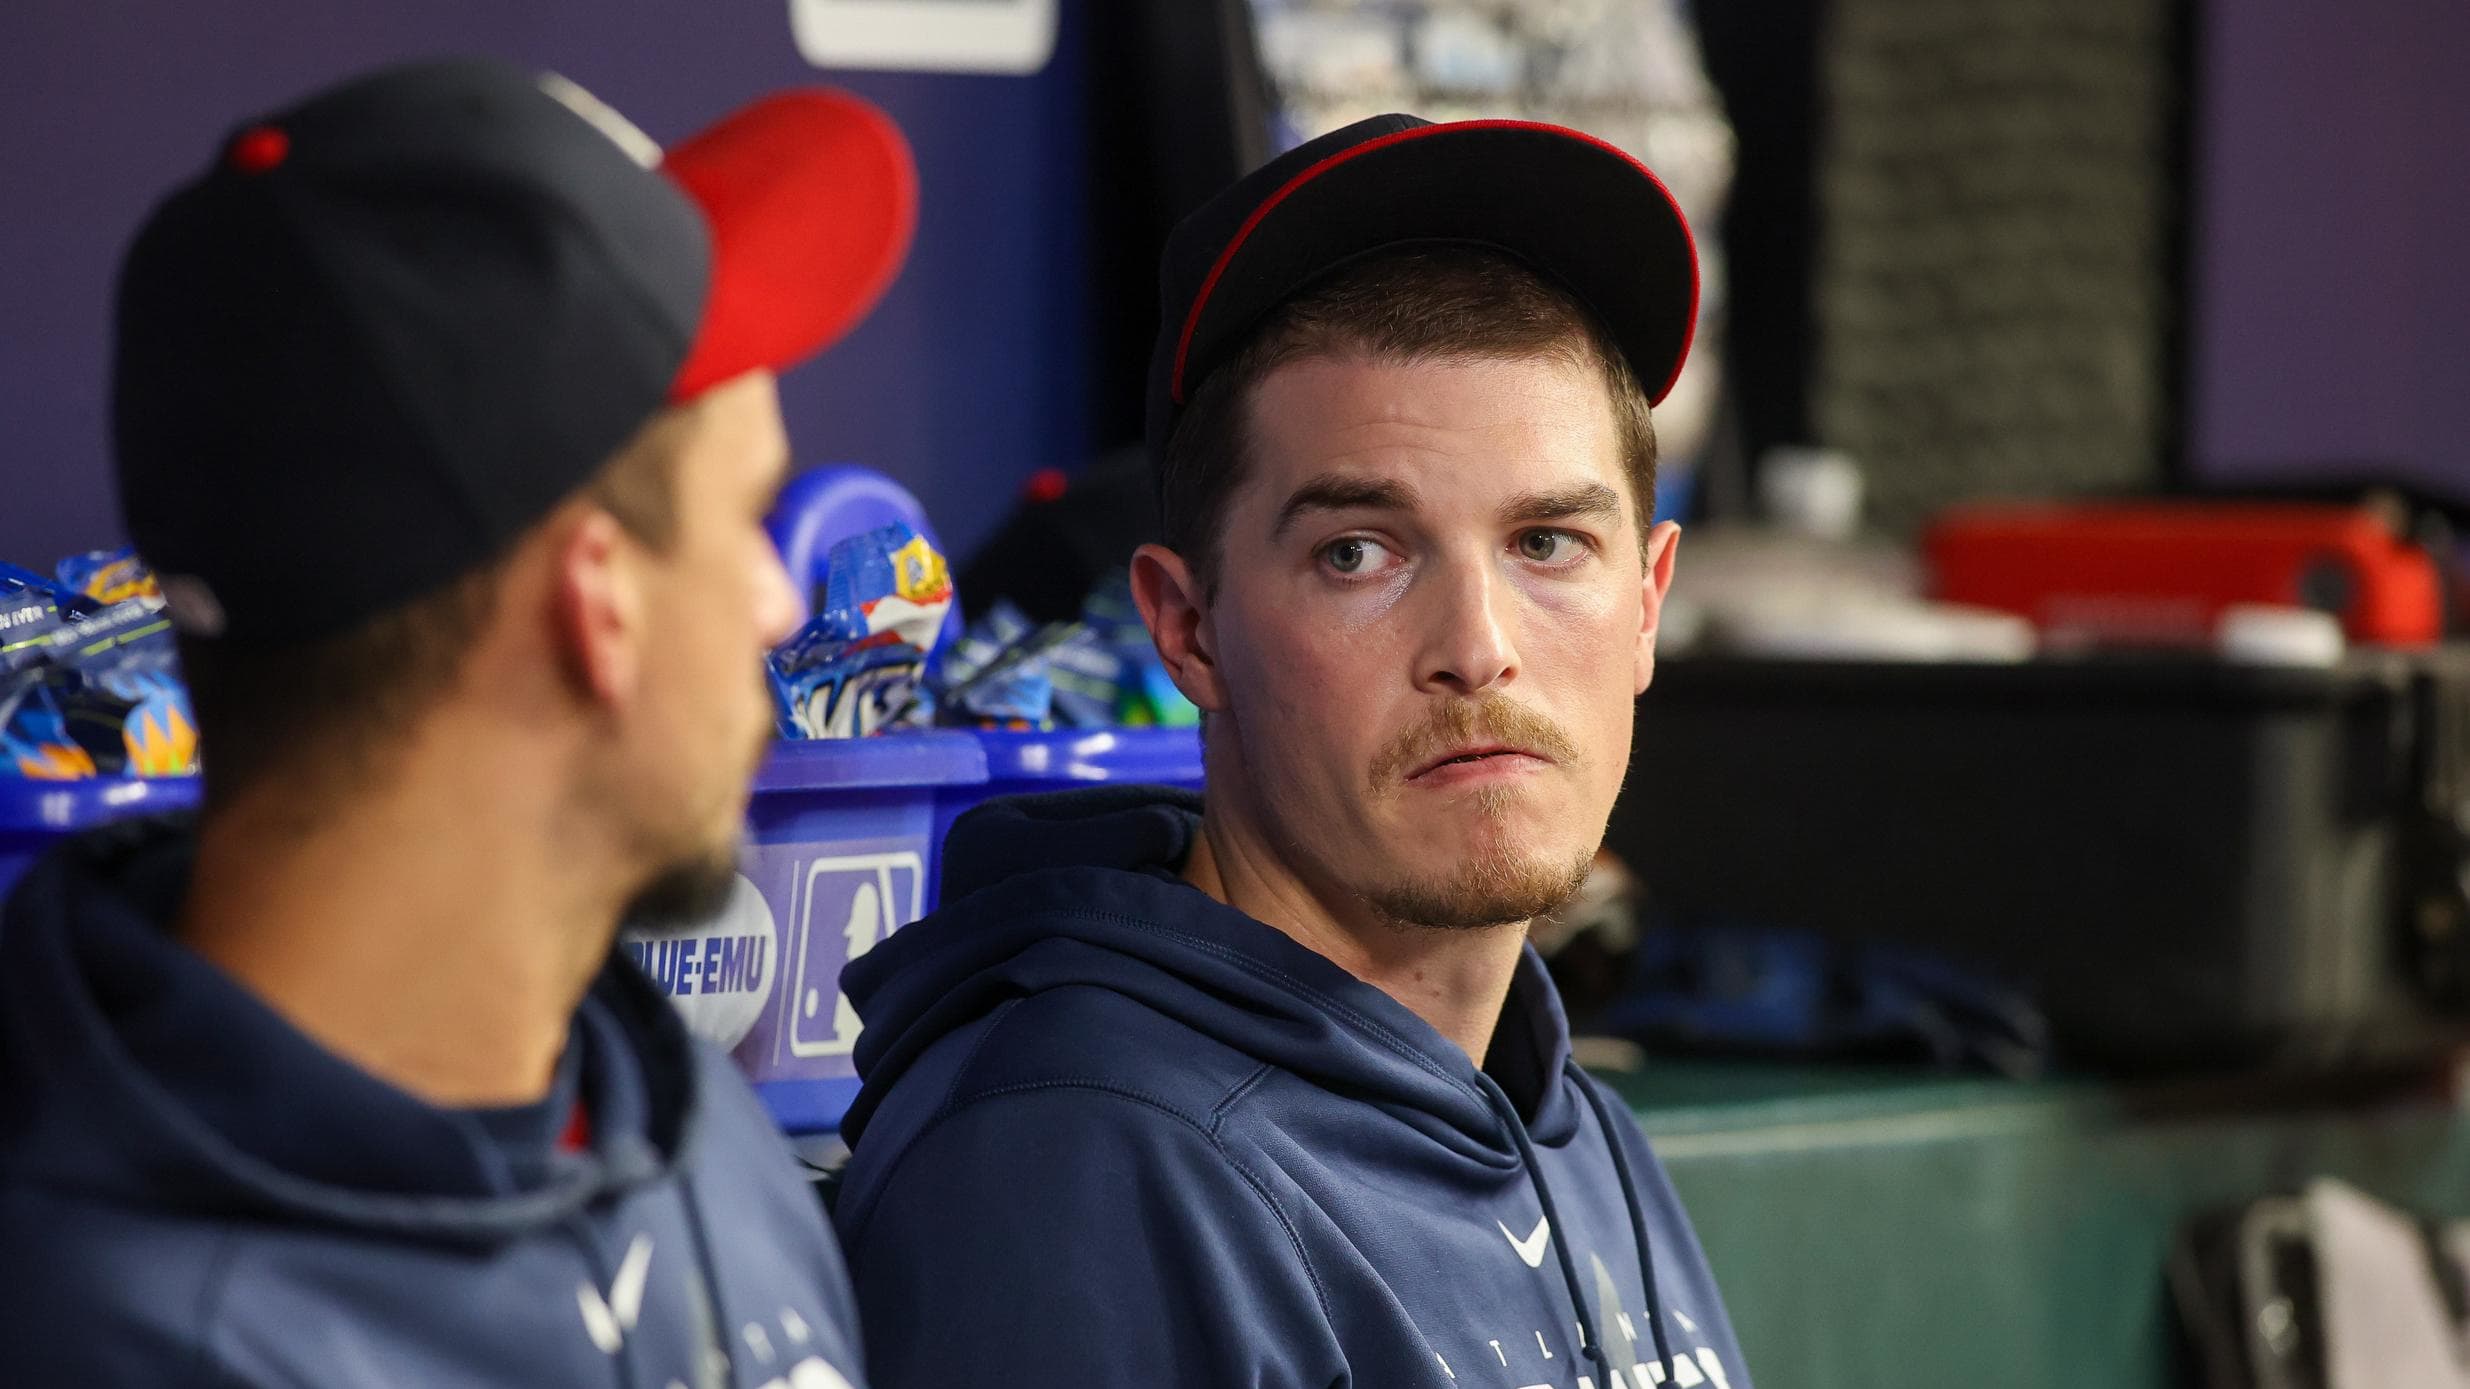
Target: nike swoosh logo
(1531,1249)
(608,1320)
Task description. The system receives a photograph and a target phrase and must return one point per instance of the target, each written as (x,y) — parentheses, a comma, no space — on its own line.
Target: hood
(1078,889)
(131,1069)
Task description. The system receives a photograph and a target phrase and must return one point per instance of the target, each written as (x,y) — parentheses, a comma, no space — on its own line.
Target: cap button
(259,148)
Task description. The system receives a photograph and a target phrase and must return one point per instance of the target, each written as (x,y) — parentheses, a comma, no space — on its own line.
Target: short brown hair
(317,711)
(1419,303)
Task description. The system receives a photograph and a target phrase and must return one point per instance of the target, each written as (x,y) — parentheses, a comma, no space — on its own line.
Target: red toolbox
(2164,571)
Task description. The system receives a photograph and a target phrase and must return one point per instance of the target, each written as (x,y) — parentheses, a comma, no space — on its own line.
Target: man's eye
(1353,555)
(1548,547)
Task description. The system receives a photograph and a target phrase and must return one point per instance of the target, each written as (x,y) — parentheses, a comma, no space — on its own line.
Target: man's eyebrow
(1561,504)
(1343,494)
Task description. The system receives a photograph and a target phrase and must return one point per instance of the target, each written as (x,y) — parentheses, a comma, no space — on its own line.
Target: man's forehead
(1321,412)
(1430,437)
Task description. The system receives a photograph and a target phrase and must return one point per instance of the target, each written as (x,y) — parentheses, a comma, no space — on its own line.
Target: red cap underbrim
(810,196)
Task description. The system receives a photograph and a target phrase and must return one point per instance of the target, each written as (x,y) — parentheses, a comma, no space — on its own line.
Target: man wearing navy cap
(1268,1089)
(443,405)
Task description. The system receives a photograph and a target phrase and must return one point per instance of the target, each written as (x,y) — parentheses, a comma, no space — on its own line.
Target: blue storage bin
(1018,762)
(843,847)
(1065,758)
(841,850)
(33,814)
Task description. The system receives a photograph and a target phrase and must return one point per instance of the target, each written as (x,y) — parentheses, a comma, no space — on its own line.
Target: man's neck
(442,951)
(1456,980)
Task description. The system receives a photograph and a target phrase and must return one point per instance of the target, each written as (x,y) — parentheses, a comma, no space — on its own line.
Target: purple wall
(967,378)
(2332,253)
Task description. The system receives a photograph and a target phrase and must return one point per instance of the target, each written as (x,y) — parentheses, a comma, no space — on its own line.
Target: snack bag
(1011,692)
(1088,677)
(108,576)
(28,614)
(1145,695)
(977,646)
(857,667)
(115,680)
(159,733)
(1110,612)
(34,738)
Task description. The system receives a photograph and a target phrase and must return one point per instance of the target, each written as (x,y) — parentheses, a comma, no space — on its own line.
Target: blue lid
(938,758)
(61,806)
(1164,756)
(808,1106)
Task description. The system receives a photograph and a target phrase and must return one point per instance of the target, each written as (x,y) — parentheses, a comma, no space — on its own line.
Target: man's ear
(1663,543)
(600,620)
(1175,608)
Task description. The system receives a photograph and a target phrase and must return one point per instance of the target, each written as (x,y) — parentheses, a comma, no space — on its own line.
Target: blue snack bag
(115,679)
(1017,690)
(108,576)
(1145,694)
(159,732)
(1017,699)
(856,668)
(34,738)
(1089,677)
(1110,612)
(28,614)
(978,644)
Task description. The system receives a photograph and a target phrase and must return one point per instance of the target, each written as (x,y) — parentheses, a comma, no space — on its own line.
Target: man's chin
(1485,887)
(684,895)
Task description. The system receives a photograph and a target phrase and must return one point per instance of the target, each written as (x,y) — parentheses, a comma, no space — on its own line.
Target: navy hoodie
(194,1194)
(1115,1133)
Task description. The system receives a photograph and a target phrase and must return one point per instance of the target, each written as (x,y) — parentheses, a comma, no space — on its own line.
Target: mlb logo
(771,996)
(846,905)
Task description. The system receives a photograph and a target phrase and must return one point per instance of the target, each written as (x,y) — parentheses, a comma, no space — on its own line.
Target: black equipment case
(2184,862)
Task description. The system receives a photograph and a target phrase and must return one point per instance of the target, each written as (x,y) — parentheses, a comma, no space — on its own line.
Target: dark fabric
(1113,1132)
(349,376)
(1571,208)
(191,1192)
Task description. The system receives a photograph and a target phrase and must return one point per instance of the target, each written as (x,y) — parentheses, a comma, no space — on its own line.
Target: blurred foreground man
(1271,1091)
(444,407)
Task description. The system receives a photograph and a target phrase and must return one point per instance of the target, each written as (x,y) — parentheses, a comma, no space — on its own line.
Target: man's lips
(1474,755)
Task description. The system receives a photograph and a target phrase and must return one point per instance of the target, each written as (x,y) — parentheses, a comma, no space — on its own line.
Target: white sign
(999,36)
(719,973)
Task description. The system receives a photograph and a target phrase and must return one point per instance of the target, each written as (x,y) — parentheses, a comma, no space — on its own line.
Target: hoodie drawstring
(715,1329)
(1638,1220)
(1508,1114)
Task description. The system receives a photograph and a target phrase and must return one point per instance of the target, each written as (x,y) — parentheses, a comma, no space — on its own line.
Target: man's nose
(780,604)
(1468,632)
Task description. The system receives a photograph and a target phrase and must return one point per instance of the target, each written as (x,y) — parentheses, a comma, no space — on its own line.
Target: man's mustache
(1460,723)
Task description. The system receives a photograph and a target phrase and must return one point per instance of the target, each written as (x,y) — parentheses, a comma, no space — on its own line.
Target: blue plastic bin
(33,814)
(843,847)
(1023,762)
(840,851)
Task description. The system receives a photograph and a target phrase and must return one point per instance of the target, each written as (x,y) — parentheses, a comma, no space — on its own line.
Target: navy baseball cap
(391,327)
(1574,209)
